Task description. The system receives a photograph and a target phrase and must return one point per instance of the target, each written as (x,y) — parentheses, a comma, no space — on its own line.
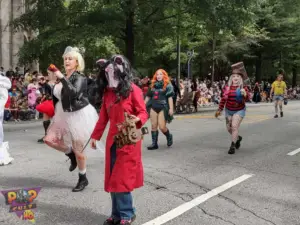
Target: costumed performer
(74,119)
(123,164)
(234,100)
(45,104)
(5,85)
(160,101)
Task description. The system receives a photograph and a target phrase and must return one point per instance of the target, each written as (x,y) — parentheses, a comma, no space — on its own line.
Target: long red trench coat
(127,173)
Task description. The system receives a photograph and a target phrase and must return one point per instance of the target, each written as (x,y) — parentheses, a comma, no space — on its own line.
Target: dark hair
(125,78)
(281,72)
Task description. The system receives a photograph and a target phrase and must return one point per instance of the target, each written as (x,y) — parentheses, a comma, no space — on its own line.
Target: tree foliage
(263,33)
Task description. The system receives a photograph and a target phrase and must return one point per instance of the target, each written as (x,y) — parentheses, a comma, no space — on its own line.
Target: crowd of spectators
(205,93)
(26,92)
(30,88)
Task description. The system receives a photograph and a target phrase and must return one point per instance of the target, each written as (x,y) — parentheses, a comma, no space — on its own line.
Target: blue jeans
(122,203)
(278,98)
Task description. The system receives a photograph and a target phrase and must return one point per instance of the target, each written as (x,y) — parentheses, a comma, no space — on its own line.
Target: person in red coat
(123,166)
(234,102)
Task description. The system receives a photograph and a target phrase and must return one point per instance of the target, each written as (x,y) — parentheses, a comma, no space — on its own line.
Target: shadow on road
(61,214)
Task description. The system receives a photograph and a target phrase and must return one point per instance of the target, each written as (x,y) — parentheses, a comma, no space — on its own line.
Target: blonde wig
(241,83)
(75,53)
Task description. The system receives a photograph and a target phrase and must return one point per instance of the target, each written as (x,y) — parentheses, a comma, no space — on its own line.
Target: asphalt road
(197,163)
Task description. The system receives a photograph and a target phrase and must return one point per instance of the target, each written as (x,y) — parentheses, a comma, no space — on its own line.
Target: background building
(10,42)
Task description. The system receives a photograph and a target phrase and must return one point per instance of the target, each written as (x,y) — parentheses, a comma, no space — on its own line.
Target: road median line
(197,201)
(294,152)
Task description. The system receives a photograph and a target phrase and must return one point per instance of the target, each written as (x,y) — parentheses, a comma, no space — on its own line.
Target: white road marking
(294,152)
(195,202)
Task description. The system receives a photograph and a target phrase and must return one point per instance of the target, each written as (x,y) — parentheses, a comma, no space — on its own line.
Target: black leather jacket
(74,93)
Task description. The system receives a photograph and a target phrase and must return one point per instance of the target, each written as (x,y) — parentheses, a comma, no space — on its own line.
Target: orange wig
(166,78)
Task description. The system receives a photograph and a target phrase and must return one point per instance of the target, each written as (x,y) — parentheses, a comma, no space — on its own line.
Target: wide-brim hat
(239,68)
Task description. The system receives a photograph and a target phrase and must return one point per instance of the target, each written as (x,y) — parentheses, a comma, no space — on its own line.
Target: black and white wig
(122,73)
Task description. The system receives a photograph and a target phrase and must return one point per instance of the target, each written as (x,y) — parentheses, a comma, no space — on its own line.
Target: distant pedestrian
(280,92)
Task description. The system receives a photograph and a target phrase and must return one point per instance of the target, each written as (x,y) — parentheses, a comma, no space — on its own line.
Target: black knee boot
(72,158)
(232,148)
(46,124)
(82,183)
(169,137)
(154,145)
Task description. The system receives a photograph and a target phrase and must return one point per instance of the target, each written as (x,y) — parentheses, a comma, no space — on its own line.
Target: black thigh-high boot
(46,124)
(154,145)
(169,137)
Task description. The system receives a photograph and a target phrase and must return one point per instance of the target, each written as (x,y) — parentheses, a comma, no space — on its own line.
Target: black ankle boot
(238,143)
(232,149)
(82,183)
(169,137)
(72,158)
(154,145)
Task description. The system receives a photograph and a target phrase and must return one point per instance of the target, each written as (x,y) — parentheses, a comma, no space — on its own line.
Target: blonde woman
(74,118)
(234,101)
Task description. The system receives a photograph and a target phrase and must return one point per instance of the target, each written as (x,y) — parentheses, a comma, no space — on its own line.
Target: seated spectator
(14,109)
(7,113)
(24,111)
(13,93)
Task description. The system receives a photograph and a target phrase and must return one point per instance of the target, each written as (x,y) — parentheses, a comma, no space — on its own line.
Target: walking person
(45,106)
(5,85)
(234,102)
(123,164)
(74,118)
(256,93)
(160,100)
(279,90)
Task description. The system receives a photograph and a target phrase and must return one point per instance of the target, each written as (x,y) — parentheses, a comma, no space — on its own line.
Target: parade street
(193,182)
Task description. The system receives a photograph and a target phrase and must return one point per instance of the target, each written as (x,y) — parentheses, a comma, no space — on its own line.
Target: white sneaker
(5,158)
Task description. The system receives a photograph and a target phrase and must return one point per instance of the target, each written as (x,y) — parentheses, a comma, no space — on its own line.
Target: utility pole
(178,41)
(190,55)
(11,34)
(214,23)
(213,56)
